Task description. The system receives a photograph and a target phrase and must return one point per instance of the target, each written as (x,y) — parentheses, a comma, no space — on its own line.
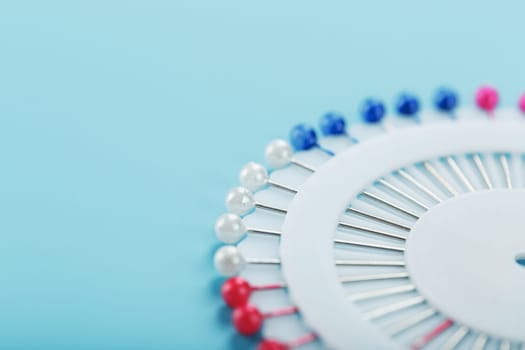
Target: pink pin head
(521,103)
(487,98)
(269,344)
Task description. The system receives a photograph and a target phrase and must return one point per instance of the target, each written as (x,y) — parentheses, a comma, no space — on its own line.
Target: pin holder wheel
(400,232)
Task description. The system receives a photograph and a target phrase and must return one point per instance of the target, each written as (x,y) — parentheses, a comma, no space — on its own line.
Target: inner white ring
(461,257)
(307,243)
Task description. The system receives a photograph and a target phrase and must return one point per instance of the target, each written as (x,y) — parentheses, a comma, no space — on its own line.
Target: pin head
(278,153)
(332,123)
(240,201)
(228,260)
(253,176)
(446,100)
(487,98)
(372,111)
(407,105)
(229,228)
(247,319)
(303,137)
(268,344)
(521,103)
(236,291)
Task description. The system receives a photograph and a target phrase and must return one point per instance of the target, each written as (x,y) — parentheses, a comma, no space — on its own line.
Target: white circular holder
(307,244)
(381,245)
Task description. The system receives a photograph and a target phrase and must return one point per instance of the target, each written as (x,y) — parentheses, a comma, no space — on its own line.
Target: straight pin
(427,338)
(446,101)
(276,184)
(480,342)
(433,171)
(343,262)
(279,154)
(241,201)
(370,230)
(403,194)
(456,338)
(459,173)
(264,231)
(254,176)
(236,291)
(482,170)
(487,99)
(378,218)
(270,208)
(248,319)
(505,165)
(302,164)
(374,277)
(419,185)
(389,204)
(229,260)
(303,137)
(334,124)
(409,322)
(263,261)
(230,228)
(504,345)
(391,308)
(383,292)
(370,245)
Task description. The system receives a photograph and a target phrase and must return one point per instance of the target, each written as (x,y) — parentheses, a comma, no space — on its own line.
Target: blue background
(124,123)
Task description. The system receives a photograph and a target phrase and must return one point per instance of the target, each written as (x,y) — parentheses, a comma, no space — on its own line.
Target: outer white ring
(307,243)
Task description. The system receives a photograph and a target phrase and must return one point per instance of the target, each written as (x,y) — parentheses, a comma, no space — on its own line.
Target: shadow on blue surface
(236,341)
(224,315)
(215,286)
(239,342)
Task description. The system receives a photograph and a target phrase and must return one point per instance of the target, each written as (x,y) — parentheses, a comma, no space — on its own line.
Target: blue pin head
(407,105)
(373,111)
(332,124)
(303,137)
(446,100)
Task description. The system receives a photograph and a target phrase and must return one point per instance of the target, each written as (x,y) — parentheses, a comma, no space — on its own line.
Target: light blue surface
(123,124)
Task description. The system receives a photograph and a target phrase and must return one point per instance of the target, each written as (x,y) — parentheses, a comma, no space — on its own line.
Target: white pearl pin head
(229,228)
(228,260)
(240,201)
(278,153)
(253,176)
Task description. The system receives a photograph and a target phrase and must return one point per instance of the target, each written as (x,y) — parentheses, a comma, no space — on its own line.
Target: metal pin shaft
(409,322)
(374,277)
(482,170)
(370,245)
(388,309)
(433,171)
(419,185)
(389,204)
(370,230)
(403,194)
(460,174)
(383,292)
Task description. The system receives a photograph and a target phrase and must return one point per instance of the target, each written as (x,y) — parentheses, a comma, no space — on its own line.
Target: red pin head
(521,103)
(247,319)
(269,344)
(236,291)
(487,98)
